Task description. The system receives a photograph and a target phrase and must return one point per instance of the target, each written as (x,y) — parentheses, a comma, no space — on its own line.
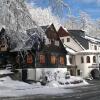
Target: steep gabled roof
(51,33)
(77,32)
(62,32)
(79,36)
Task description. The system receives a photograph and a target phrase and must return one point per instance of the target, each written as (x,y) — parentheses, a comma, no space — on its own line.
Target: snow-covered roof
(89,52)
(92,39)
(69,50)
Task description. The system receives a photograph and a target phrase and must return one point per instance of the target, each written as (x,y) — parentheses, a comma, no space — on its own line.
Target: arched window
(82,60)
(94,59)
(88,59)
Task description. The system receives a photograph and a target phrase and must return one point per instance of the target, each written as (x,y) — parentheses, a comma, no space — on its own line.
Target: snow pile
(73,81)
(11,88)
(5,72)
(61,78)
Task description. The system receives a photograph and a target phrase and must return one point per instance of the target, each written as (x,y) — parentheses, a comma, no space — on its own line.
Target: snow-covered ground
(12,88)
(5,72)
(73,81)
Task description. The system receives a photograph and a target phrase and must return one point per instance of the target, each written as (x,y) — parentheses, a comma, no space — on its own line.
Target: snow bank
(5,72)
(57,83)
(11,88)
(60,78)
(73,81)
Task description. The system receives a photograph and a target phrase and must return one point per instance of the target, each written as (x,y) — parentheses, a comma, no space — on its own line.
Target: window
(57,43)
(53,41)
(71,72)
(62,60)
(68,39)
(29,59)
(95,47)
(18,59)
(94,59)
(88,59)
(62,40)
(70,60)
(53,59)
(78,72)
(82,60)
(42,59)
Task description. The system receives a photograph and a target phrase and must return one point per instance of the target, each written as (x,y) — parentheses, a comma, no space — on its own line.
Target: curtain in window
(62,60)
(53,59)
(42,59)
(29,59)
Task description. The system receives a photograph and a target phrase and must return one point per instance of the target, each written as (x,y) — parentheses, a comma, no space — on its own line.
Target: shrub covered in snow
(60,78)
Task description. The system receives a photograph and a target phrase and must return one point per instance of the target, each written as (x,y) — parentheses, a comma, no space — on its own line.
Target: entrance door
(24,75)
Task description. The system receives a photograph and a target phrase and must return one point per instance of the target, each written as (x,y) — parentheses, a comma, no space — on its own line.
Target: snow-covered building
(87,51)
(52,57)
(35,58)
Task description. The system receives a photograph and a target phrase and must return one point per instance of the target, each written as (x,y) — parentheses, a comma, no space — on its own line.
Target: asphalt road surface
(91,92)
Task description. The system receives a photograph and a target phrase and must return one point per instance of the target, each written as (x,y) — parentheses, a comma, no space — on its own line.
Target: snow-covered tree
(16,19)
(72,23)
(57,6)
(86,21)
(44,16)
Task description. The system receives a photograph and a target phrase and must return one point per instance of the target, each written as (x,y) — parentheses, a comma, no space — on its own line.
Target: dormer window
(57,43)
(68,39)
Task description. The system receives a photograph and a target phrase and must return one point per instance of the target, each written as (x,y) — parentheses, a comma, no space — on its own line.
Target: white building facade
(86,52)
